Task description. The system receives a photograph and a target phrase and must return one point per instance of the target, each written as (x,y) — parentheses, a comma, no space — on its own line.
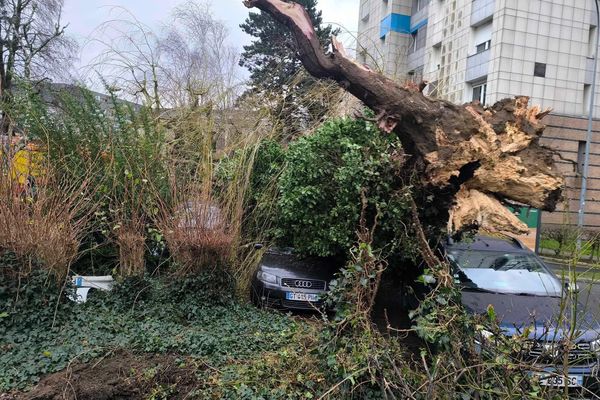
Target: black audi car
(288,281)
(528,297)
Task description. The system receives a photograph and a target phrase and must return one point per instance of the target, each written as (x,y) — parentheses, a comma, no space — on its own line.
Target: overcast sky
(83,16)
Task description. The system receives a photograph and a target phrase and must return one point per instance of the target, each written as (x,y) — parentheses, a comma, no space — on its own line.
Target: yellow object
(26,163)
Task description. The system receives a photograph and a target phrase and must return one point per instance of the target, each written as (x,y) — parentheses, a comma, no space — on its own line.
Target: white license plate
(302,296)
(560,380)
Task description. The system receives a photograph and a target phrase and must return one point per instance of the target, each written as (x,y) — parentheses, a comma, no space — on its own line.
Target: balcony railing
(482,11)
(418,18)
(477,66)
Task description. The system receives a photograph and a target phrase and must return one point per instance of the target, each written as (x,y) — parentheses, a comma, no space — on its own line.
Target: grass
(570,248)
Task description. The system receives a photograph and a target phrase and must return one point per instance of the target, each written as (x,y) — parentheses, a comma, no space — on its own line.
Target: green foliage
(271,57)
(197,317)
(277,73)
(561,239)
(116,150)
(321,188)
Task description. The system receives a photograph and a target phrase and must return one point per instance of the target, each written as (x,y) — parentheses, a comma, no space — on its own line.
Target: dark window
(539,70)
(483,46)
(580,156)
(414,37)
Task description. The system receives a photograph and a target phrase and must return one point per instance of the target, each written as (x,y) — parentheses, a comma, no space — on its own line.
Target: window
(539,70)
(483,46)
(479,93)
(364,11)
(418,5)
(413,42)
(592,41)
(580,156)
(418,39)
(587,97)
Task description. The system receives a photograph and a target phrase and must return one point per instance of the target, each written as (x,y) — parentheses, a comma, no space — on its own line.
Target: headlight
(266,277)
(595,346)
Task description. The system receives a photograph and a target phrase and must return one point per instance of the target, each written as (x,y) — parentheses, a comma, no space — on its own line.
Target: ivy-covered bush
(328,176)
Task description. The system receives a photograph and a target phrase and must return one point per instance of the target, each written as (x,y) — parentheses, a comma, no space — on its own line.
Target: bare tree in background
(189,64)
(198,63)
(128,59)
(33,45)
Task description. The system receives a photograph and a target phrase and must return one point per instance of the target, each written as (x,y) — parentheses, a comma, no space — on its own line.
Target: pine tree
(272,61)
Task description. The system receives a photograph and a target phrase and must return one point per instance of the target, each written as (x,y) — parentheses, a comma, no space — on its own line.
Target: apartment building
(487,50)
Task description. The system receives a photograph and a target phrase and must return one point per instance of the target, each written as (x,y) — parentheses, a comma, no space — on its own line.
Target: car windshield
(517,273)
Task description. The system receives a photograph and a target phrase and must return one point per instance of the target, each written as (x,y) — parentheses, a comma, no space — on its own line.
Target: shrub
(565,235)
(131,242)
(321,188)
(197,234)
(44,228)
(118,151)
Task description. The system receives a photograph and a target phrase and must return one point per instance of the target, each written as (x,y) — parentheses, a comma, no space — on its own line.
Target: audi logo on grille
(303,284)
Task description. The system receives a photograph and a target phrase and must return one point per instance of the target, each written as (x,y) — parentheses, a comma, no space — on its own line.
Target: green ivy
(321,188)
(197,317)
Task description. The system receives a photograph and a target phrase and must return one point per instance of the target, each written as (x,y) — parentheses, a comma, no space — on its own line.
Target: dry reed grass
(43,225)
(132,246)
(197,235)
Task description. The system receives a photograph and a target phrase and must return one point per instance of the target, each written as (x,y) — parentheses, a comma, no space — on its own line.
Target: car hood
(541,314)
(292,266)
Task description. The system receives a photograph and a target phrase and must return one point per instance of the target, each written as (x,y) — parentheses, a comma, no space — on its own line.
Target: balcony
(477,66)
(419,18)
(482,11)
(589,70)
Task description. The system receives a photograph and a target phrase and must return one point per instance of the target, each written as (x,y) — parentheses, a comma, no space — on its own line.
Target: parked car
(287,281)
(501,272)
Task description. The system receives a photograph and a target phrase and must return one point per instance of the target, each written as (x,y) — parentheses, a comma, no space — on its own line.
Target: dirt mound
(121,375)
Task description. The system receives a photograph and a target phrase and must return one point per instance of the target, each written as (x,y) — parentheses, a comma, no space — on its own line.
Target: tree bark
(467,160)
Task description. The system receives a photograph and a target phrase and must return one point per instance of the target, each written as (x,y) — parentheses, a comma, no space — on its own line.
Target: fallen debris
(84,284)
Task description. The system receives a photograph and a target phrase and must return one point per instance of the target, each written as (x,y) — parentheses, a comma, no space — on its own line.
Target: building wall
(555,33)
(384,36)
(567,135)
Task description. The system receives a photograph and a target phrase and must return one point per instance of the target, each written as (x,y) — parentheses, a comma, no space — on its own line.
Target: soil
(121,375)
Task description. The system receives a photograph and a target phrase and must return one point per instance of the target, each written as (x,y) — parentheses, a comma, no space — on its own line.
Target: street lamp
(588,139)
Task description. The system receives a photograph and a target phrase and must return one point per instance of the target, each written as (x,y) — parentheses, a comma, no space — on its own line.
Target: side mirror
(258,246)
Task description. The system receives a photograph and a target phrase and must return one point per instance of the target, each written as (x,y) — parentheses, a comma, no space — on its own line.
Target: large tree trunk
(468,160)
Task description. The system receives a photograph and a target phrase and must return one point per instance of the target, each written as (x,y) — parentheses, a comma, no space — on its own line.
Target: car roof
(490,242)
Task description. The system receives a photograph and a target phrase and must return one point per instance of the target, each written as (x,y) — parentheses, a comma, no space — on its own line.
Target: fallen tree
(467,161)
